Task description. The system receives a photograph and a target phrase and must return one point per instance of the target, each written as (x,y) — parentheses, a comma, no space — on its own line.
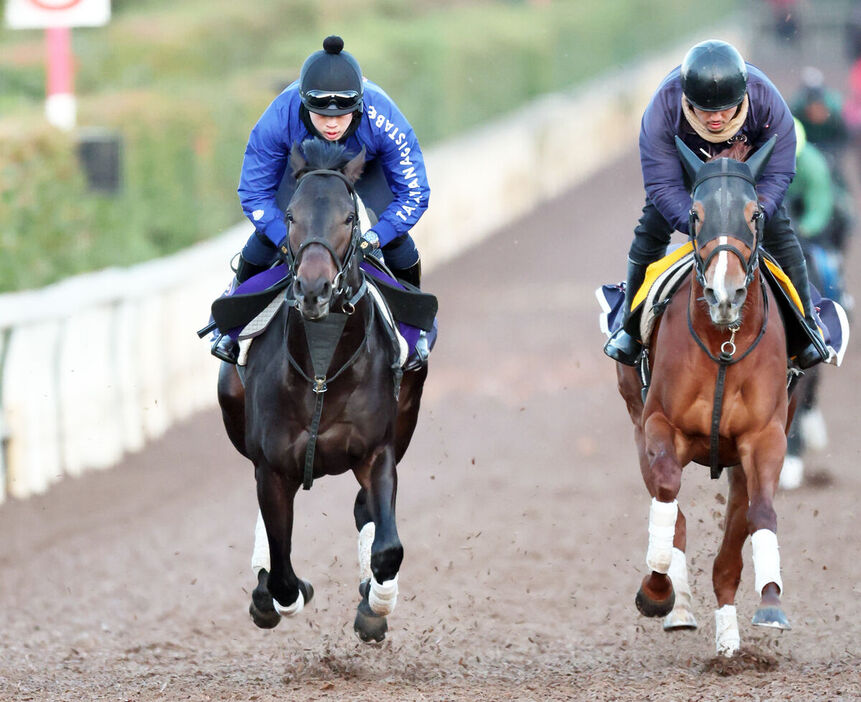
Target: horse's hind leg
(663,474)
(682,617)
(409,400)
(726,573)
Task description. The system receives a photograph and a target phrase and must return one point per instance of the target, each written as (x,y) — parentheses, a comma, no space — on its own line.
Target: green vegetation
(184,83)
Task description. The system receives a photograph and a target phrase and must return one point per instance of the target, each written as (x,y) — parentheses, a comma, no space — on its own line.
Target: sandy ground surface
(521,510)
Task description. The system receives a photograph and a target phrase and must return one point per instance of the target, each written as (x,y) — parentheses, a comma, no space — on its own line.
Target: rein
(293,260)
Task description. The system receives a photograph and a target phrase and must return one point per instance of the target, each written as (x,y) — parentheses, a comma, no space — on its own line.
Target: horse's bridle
(293,260)
(753,241)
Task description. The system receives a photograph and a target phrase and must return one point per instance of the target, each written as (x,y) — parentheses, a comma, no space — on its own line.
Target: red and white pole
(60,107)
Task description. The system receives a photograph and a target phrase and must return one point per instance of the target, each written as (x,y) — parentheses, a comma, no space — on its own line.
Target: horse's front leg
(375,518)
(762,460)
(275,494)
(726,573)
(662,473)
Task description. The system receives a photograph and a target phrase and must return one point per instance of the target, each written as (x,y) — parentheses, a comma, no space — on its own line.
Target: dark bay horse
(328,342)
(718,396)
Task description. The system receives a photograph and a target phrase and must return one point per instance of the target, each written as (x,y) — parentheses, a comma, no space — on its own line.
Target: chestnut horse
(327,341)
(718,396)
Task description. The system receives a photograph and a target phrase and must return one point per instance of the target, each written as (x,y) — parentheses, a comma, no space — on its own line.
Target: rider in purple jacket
(332,101)
(711,101)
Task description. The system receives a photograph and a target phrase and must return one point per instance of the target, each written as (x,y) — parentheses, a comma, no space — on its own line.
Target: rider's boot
(621,346)
(812,350)
(411,275)
(224,347)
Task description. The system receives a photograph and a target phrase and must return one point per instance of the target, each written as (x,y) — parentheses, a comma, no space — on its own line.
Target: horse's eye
(288,216)
(350,218)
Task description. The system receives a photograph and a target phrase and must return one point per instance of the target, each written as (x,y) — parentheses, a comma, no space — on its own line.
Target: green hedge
(184,83)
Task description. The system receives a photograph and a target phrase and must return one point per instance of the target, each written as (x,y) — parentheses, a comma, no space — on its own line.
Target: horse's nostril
(326,289)
(740,294)
(297,286)
(710,296)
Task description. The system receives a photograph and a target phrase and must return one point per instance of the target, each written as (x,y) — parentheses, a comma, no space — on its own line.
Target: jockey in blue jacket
(332,101)
(711,101)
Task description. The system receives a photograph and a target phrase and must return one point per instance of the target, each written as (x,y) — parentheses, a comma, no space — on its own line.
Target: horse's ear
(758,161)
(354,166)
(689,159)
(297,161)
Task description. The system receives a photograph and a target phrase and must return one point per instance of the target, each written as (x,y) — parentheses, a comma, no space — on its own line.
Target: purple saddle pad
(268,278)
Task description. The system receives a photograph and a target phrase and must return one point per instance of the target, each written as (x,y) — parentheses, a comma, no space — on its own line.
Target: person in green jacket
(819,207)
(811,193)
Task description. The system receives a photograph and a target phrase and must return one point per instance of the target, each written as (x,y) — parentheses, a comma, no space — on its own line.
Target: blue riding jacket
(383,131)
(663,175)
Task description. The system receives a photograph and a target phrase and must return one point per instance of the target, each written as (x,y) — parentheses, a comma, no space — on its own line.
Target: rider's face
(332,128)
(715,121)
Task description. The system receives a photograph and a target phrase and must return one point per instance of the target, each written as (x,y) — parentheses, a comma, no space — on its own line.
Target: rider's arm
(263,167)
(402,160)
(814,178)
(770,115)
(663,177)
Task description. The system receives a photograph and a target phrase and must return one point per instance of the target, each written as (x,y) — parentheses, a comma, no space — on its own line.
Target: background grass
(183,83)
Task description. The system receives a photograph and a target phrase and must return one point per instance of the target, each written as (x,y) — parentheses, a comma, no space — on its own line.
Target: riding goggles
(323,99)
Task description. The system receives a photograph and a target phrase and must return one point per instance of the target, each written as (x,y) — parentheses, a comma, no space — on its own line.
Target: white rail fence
(94,367)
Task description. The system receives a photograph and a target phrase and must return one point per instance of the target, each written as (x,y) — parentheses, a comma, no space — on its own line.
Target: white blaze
(719,280)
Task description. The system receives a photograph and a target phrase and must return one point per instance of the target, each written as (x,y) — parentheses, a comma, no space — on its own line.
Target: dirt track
(521,510)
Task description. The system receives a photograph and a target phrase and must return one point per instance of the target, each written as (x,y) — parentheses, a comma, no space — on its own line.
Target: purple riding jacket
(663,176)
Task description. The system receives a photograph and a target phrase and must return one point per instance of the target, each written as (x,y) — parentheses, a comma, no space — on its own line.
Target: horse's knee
(666,477)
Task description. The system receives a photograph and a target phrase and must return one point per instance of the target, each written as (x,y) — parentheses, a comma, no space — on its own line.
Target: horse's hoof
(772,617)
(265,619)
(369,627)
(307,590)
(262,609)
(679,619)
(653,608)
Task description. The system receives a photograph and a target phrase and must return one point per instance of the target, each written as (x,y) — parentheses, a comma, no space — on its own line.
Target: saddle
(664,277)
(247,312)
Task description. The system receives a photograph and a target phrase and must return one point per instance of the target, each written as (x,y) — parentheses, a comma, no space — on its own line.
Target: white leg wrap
(727,639)
(678,573)
(766,559)
(383,598)
(682,615)
(291,610)
(260,554)
(366,540)
(662,528)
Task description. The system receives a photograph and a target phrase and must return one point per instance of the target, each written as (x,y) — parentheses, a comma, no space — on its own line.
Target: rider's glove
(370,245)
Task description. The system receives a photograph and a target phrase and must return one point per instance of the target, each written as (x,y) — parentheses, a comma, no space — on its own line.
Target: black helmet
(714,76)
(330,82)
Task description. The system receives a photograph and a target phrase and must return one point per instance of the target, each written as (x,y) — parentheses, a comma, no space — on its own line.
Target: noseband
(293,260)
